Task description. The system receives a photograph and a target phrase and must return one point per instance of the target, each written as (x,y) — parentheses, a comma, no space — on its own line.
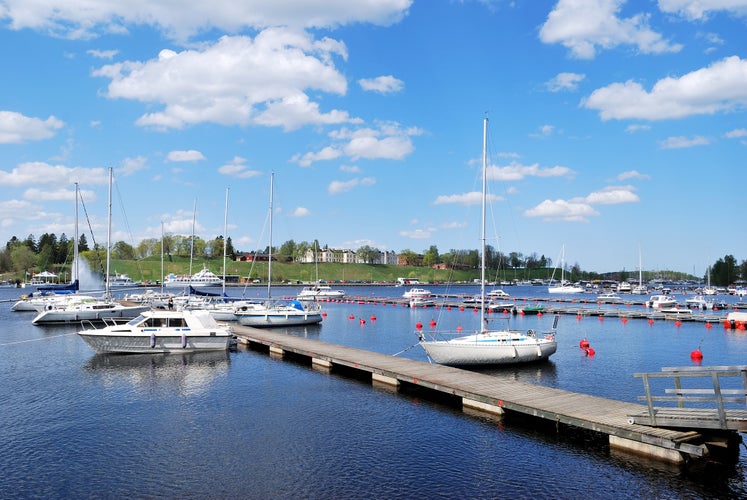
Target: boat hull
(269,319)
(62,316)
(498,352)
(144,342)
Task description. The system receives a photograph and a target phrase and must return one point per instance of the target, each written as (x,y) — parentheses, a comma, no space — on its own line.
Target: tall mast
(108,235)
(269,253)
(76,271)
(192,241)
(225,237)
(482,237)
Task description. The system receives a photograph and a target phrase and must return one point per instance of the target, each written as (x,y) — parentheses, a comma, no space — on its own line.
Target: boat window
(176,322)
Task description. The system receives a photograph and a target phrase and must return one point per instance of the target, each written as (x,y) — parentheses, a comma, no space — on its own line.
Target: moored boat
(158,331)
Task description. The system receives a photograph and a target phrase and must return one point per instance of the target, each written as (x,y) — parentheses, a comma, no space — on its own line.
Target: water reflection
(187,373)
(544,373)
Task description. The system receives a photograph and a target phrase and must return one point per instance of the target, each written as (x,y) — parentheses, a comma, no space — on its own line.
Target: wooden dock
(489,394)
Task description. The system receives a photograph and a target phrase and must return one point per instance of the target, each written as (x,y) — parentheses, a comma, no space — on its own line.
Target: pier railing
(712,397)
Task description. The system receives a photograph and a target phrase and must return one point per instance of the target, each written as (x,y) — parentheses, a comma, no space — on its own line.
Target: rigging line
(93,237)
(36,340)
(127,225)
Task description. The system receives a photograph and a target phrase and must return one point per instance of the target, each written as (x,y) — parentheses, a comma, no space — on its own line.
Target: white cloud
(388,141)
(611,196)
(631,129)
(417,234)
(102,54)
(562,210)
(237,168)
(34,173)
(382,84)
(188,155)
(632,174)
(88,18)
(301,212)
(131,165)
(736,133)
(516,172)
(699,9)
(564,81)
(722,86)
(683,142)
(584,26)
(337,187)
(471,198)
(259,81)
(16,128)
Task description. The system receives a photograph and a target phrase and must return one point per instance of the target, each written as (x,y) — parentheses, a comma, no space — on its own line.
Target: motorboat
(122,280)
(319,292)
(159,331)
(609,298)
(661,301)
(204,277)
(497,294)
(422,302)
(699,302)
(416,292)
(276,314)
(624,287)
(485,346)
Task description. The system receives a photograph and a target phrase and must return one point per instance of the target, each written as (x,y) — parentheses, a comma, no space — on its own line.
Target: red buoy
(590,351)
(433,322)
(419,325)
(583,344)
(324,314)
(373,318)
(362,321)
(696,355)
(351,317)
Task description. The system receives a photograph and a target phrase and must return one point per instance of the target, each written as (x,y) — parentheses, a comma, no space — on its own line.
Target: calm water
(243,425)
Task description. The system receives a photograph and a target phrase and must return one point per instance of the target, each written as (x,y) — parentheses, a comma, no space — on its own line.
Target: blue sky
(614,125)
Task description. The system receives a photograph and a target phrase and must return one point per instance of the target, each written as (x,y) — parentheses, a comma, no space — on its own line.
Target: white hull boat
(320,292)
(486,347)
(277,315)
(159,331)
(491,348)
(90,309)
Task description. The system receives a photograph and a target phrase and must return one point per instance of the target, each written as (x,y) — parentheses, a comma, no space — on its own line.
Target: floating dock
(485,393)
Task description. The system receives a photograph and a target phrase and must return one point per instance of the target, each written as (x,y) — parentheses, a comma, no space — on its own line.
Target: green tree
(430,256)
(366,254)
(23,258)
(287,251)
(123,251)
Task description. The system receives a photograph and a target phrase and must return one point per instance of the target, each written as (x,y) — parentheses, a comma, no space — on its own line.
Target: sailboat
(640,288)
(490,347)
(319,291)
(563,287)
(277,313)
(86,308)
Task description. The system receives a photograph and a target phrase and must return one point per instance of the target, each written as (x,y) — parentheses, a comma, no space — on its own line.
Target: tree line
(52,252)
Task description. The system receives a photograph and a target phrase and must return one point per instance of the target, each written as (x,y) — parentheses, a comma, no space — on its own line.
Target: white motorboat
(699,302)
(204,277)
(497,294)
(159,330)
(624,287)
(609,298)
(422,302)
(320,292)
(661,302)
(486,347)
(122,280)
(416,292)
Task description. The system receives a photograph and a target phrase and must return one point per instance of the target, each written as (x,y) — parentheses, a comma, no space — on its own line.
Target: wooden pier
(493,395)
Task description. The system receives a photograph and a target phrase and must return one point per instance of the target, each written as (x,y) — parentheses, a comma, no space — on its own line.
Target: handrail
(716,394)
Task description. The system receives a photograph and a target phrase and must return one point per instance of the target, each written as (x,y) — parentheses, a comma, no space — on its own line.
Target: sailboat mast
(108,235)
(269,253)
(482,235)
(76,275)
(225,231)
(192,241)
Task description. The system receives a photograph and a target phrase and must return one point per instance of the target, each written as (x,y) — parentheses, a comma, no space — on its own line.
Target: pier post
(378,378)
(479,405)
(276,351)
(321,365)
(647,450)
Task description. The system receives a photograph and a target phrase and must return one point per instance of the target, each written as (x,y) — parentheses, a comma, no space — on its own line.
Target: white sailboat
(563,287)
(85,308)
(489,347)
(640,288)
(277,313)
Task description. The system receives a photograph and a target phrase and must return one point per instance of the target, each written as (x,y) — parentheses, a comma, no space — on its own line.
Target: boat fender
(184,340)
(530,333)
(153,340)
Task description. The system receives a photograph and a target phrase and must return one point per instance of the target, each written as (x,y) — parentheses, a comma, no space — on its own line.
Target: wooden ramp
(494,395)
